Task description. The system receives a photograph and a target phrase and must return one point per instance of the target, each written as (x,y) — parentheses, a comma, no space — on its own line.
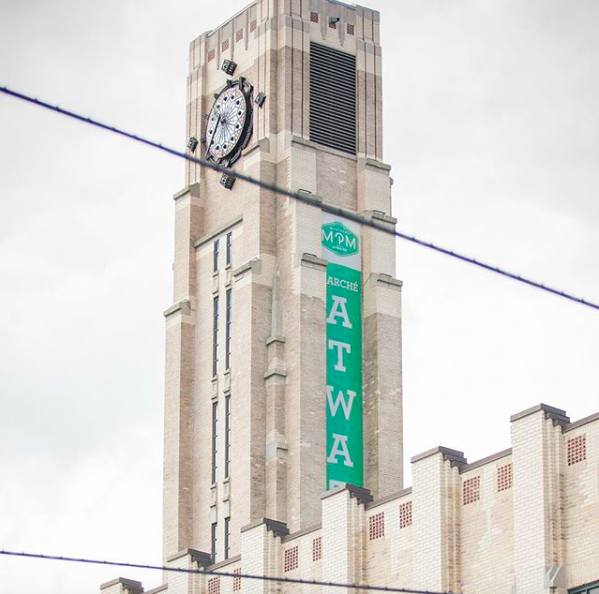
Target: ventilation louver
(332,98)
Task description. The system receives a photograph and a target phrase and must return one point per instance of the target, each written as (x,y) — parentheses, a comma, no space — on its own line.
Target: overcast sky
(492,131)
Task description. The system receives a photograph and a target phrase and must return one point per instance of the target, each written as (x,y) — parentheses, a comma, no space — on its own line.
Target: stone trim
(201,558)
(383,217)
(388,498)
(279,372)
(455,457)
(312,261)
(486,460)
(363,495)
(162,588)
(224,563)
(255,264)
(207,238)
(364,162)
(385,279)
(303,532)
(272,339)
(185,191)
(263,143)
(304,142)
(127,583)
(557,415)
(274,526)
(581,422)
(184,306)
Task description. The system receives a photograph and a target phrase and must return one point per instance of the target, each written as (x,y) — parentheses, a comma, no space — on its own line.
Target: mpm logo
(339,239)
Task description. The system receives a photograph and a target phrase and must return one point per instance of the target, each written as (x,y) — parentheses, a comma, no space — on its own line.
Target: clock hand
(214,134)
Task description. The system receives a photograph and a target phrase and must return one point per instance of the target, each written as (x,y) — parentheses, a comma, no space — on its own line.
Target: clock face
(229,123)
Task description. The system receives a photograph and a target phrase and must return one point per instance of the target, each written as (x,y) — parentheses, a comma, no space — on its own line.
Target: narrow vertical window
(215,256)
(214,440)
(229,247)
(214,541)
(227,537)
(215,336)
(227,436)
(228,331)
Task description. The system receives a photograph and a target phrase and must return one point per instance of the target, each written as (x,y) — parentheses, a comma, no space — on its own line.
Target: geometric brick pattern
(291,559)
(224,45)
(211,55)
(405,514)
(471,490)
(350,29)
(239,35)
(253,26)
(504,477)
(237,581)
(317,549)
(376,526)
(314,17)
(214,585)
(577,449)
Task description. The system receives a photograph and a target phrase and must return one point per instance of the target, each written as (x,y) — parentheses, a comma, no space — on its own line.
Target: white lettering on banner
(334,404)
(334,484)
(339,310)
(344,284)
(341,346)
(340,449)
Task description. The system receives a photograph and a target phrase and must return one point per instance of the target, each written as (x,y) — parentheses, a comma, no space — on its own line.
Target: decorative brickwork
(253,26)
(224,45)
(376,526)
(577,449)
(314,17)
(291,559)
(239,35)
(317,549)
(237,580)
(211,54)
(504,477)
(405,514)
(351,29)
(214,585)
(471,490)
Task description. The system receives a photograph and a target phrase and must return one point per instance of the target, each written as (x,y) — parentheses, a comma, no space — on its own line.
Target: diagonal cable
(304,198)
(267,578)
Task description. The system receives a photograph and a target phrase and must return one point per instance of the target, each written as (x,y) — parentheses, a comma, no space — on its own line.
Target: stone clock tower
(283,351)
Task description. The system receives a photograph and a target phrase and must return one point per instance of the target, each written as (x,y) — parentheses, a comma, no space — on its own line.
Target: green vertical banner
(345,443)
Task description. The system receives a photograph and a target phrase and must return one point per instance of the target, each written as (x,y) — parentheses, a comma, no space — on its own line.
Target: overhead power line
(301,197)
(246,576)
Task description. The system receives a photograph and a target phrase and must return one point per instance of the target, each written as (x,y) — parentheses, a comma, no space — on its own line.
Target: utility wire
(264,578)
(301,197)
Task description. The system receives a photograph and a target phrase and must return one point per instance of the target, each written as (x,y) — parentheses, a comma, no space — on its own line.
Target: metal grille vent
(333,98)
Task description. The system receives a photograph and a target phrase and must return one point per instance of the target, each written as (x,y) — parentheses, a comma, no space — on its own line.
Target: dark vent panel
(332,98)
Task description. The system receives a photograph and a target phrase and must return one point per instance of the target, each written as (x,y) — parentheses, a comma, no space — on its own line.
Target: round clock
(229,124)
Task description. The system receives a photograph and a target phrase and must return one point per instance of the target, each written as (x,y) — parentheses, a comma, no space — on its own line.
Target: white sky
(492,130)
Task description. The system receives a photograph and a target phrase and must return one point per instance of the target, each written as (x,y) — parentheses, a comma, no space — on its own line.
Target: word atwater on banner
(341,247)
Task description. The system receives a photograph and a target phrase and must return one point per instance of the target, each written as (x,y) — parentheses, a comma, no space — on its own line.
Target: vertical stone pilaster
(261,554)
(276,444)
(179,377)
(183,582)
(539,554)
(343,521)
(435,499)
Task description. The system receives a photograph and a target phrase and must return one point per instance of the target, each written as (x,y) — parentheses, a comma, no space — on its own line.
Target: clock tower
(283,348)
